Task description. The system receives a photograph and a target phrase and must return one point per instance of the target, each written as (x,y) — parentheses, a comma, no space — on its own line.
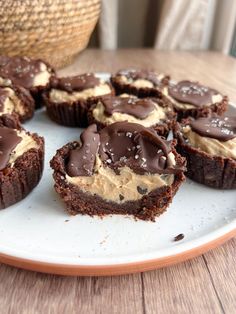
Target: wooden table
(206,284)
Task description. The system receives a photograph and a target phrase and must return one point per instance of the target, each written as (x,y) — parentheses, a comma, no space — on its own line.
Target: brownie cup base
(213,171)
(37,94)
(78,202)
(141,92)
(18,181)
(218,108)
(70,114)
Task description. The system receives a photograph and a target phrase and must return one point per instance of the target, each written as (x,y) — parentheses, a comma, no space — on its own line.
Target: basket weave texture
(54,30)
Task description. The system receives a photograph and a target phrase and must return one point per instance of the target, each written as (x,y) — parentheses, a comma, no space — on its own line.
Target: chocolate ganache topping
(122,144)
(82,160)
(192,93)
(8,141)
(75,83)
(220,128)
(20,70)
(139,108)
(135,74)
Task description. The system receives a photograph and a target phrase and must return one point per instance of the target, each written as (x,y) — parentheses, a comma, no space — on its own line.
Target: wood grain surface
(206,284)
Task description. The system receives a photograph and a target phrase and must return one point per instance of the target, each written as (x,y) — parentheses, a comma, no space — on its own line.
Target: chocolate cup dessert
(124,168)
(140,82)
(33,75)
(192,99)
(21,164)
(150,112)
(70,98)
(209,146)
(16,105)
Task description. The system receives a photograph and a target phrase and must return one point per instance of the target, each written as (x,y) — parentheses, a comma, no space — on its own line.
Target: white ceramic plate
(38,234)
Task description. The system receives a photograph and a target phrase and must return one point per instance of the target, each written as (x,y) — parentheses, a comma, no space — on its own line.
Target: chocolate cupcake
(124,168)
(16,105)
(149,112)
(142,83)
(209,145)
(192,99)
(33,75)
(70,98)
(21,164)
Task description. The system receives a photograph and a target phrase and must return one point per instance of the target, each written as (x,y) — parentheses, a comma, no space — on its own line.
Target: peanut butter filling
(59,96)
(127,186)
(43,77)
(158,114)
(215,99)
(139,83)
(5,81)
(25,145)
(12,103)
(209,145)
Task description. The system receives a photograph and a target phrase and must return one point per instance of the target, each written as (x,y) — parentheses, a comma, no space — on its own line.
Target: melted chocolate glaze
(82,160)
(139,108)
(20,70)
(3,96)
(220,128)
(8,141)
(135,74)
(75,83)
(192,93)
(122,144)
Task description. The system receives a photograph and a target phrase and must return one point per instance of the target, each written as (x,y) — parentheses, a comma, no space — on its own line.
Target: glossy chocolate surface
(82,160)
(122,144)
(8,141)
(220,128)
(192,93)
(20,70)
(139,108)
(75,83)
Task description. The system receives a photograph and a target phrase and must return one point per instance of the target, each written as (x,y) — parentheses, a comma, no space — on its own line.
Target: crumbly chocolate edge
(18,181)
(213,171)
(78,202)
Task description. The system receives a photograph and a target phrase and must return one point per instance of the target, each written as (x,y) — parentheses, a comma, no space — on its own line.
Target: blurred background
(167,25)
(57,30)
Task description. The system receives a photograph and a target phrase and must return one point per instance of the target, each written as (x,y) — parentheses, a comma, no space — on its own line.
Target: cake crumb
(179,237)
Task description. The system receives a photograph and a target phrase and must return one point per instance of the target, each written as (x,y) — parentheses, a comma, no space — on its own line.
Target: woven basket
(54,30)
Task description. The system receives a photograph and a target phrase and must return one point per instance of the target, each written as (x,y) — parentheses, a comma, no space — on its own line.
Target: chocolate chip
(121,197)
(142,191)
(179,237)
